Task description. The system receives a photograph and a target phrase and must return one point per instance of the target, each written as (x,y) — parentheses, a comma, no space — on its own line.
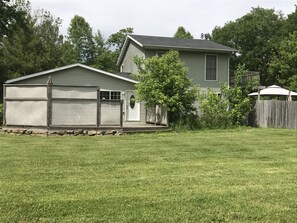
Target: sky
(156,17)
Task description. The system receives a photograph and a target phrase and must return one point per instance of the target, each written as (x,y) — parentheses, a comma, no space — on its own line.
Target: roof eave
(153,47)
(68,67)
(125,47)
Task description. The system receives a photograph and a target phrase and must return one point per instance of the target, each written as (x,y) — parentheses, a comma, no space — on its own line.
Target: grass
(240,175)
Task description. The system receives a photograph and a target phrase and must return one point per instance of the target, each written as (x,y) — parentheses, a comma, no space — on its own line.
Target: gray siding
(195,61)
(128,63)
(80,77)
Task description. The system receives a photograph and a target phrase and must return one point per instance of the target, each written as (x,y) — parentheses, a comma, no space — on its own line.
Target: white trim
(134,40)
(217,67)
(68,67)
(124,48)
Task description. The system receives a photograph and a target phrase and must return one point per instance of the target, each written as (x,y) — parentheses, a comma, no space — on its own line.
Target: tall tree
(114,45)
(12,14)
(35,47)
(284,64)
(256,36)
(182,33)
(117,40)
(80,37)
(291,22)
(104,58)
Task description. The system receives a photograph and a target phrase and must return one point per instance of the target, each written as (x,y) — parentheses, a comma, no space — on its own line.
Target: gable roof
(167,43)
(122,77)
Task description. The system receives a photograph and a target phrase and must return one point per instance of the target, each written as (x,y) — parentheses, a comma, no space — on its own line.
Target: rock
(85,132)
(78,132)
(92,133)
(119,133)
(70,132)
(111,132)
(19,131)
(100,133)
(29,132)
(61,132)
(40,131)
(54,133)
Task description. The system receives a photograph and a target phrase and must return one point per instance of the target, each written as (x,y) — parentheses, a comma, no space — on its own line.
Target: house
(81,96)
(207,61)
(74,95)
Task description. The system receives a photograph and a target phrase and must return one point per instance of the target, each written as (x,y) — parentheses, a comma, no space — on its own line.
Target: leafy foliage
(181,33)
(11,16)
(105,59)
(290,25)
(117,39)
(164,81)
(230,108)
(80,36)
(214,110)
(34,47)
(239,104)
(256,36)
(284,64)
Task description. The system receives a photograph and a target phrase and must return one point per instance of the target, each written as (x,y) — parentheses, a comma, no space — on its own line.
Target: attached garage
(74,95)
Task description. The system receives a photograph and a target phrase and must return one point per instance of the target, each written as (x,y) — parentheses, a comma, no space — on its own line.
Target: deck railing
(249,76)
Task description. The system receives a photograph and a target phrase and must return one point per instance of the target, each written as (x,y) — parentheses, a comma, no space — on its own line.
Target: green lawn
(240,175)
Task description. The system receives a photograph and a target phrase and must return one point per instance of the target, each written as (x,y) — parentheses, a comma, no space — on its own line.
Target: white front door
(133,107)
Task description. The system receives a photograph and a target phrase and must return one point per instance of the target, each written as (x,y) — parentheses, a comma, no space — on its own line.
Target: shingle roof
(167,43)
(180,44)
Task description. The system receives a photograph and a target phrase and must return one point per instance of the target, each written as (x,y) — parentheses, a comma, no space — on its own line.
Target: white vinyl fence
(56,105)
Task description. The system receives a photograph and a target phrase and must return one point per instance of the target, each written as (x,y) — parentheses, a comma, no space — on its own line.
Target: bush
(214,111)
(187,122)
(231,108)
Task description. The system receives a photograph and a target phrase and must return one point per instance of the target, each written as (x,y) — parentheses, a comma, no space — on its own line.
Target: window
(104,95)
(211,67)
(110,95)
(115,95)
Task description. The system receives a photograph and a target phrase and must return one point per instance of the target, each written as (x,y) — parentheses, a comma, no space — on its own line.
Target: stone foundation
(45,132)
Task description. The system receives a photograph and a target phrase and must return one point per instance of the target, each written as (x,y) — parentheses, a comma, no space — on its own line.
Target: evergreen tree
(34,47)
(181,33)
(80,37)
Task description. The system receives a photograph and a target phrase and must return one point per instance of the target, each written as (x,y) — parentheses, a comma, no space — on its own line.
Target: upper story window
(110,95)
(211,65)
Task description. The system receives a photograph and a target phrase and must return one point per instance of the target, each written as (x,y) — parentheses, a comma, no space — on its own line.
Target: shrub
(187,122)
(214,110)
(230,108)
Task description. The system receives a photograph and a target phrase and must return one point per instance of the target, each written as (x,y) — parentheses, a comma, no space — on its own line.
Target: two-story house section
(207,61)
